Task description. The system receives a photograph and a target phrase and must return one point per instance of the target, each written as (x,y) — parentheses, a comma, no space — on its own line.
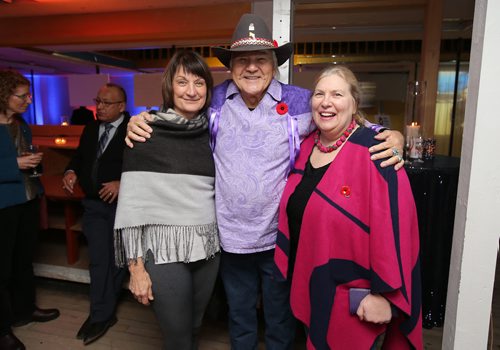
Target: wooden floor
(137,328)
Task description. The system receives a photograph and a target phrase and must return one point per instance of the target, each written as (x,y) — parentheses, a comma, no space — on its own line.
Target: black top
(297,204)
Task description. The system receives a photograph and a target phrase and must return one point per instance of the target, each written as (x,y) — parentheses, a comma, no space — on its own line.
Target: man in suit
(97,166)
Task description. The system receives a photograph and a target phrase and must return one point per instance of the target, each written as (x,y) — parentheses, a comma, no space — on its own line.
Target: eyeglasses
(106,104)
(25,96)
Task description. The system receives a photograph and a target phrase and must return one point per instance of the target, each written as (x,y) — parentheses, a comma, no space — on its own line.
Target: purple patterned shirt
(252,160)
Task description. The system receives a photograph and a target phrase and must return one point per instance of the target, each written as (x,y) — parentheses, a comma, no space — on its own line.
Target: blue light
(51,100)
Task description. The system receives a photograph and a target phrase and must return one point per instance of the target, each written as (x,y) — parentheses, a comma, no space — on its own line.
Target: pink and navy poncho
(359,230)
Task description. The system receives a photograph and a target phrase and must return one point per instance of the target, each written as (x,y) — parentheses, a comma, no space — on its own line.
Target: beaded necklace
(336,144)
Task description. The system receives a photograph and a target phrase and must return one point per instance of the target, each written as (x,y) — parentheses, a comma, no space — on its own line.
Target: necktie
(103,140)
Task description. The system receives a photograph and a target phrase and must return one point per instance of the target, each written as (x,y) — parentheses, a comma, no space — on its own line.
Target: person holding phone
(348,232)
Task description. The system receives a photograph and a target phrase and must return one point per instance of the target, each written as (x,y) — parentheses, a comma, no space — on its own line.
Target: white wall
(477,228)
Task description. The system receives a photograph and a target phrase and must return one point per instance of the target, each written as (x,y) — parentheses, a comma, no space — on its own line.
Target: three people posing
(256,125)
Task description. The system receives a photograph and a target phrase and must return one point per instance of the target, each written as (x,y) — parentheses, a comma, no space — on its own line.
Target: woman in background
(165,227)
(19,212)
(348,232)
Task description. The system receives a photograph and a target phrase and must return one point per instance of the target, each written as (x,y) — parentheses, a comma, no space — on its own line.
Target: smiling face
(333,106)
(19,100)
(252,72)
(189,92)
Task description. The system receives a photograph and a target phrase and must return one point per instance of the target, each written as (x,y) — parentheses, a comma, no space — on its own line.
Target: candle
(60,141)
(413,130)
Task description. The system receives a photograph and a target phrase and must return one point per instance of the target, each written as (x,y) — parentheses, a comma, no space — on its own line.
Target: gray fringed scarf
(166,201)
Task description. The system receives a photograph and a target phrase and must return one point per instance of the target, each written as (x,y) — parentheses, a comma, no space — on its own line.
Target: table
(55,159)
(53,191)
(434,185)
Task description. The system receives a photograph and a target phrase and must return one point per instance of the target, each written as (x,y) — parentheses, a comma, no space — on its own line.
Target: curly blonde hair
(9,81)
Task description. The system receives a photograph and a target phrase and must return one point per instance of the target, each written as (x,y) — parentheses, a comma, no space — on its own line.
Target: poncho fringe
(166,240)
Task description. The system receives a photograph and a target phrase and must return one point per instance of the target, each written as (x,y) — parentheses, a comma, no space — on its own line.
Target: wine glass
(36,171)
(418,144)
(408,147)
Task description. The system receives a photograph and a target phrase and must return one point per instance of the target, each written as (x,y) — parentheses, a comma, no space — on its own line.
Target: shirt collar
(117,122)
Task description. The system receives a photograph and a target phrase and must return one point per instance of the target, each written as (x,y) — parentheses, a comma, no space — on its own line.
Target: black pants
(105,278)
(19,225)
(181,293)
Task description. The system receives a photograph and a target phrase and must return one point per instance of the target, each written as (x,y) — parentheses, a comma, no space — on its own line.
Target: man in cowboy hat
(256,125)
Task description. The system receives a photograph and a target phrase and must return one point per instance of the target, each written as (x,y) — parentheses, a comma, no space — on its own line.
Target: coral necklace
(336,144)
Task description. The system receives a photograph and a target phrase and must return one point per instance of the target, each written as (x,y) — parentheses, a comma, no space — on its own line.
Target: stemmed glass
(36,171)
(418,144)
(408,147)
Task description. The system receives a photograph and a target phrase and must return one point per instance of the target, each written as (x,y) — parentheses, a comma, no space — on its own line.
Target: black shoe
(83,329)
(38,315)
(10,342)
(98,329)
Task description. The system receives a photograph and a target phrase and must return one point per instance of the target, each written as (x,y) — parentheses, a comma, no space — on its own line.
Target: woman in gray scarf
(165,227)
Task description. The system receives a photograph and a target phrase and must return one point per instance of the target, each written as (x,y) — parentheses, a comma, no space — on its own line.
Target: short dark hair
(192,63)
(9,81)
(120,89)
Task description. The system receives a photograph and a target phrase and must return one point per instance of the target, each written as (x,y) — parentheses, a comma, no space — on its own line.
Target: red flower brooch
(275,43)
(282,108)
(346,191)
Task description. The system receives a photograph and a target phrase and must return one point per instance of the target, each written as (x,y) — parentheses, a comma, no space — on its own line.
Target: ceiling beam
(366,5)
(202,24)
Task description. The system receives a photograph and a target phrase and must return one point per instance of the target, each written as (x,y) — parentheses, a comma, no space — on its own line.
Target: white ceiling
(314,20)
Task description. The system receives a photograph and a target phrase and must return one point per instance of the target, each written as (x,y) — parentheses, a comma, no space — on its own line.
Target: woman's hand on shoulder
(138,129)
(374,308)
(391,148)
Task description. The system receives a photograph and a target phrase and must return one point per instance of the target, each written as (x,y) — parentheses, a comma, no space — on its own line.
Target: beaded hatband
(336,144)
(252,42)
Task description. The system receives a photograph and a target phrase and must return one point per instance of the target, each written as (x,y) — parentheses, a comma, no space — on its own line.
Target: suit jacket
(108,166)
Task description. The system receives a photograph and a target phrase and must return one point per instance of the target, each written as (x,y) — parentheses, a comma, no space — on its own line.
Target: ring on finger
(395,152)
(399,158)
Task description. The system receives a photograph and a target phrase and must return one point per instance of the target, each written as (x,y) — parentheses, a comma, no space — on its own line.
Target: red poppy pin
(282,108)
(346,191)
(275,43)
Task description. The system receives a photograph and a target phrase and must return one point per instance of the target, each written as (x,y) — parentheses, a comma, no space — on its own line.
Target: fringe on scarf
(161,239)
